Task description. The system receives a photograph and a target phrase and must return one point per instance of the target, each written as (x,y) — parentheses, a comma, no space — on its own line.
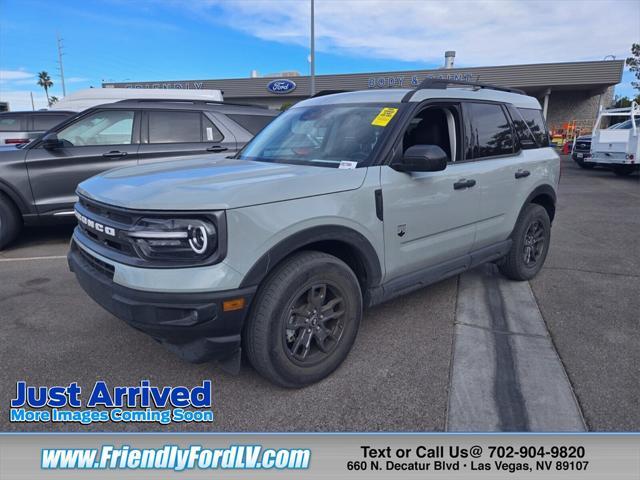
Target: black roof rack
(187,100)
(443,83)
(328,92)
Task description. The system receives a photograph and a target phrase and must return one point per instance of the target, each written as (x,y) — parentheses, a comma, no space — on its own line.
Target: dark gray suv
(38,181)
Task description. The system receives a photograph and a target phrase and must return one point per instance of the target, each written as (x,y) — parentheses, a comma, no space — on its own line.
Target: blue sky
(118,40)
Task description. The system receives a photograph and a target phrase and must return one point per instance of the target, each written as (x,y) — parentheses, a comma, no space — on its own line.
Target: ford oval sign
(281,86)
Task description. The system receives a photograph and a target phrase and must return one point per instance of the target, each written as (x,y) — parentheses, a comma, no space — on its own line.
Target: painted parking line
(29,259)
(506,374)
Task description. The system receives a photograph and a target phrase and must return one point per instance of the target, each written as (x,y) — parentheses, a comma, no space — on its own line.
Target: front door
(430,217)
(94,143)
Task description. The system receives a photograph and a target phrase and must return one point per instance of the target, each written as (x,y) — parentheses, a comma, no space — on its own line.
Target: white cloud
(15,75)
(21,99)
(488,32)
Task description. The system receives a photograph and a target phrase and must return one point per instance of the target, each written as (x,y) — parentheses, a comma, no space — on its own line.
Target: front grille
(113,217)
(102,267)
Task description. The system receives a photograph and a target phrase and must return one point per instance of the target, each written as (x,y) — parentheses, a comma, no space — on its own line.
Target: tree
(53,100)
(633,63)
(621,102)
(44,80)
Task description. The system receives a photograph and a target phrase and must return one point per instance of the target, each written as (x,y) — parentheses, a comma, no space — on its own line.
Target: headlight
(180,239)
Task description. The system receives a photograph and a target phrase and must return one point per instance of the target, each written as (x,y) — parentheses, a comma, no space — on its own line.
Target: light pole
(312,56)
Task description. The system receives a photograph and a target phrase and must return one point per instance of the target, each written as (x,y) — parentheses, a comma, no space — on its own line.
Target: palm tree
(44,80)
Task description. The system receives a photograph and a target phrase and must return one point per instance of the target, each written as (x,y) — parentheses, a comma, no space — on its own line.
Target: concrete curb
(506,374)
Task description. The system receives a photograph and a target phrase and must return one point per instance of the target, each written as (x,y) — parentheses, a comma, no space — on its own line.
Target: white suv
(342,202)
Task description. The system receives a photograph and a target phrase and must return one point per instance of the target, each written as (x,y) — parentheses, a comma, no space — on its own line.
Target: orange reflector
(231,305)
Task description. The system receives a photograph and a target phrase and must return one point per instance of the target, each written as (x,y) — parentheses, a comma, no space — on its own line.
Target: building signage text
(401,81)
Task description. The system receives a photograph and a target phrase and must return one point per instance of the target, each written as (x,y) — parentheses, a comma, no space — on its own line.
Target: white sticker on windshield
(209,133)
(348,165)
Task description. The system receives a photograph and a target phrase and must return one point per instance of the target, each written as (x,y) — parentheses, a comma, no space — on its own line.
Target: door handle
(522,173)
(217,148)
(114,154)
(463,183)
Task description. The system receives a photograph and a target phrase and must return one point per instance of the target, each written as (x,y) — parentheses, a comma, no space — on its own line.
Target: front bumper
(193,325)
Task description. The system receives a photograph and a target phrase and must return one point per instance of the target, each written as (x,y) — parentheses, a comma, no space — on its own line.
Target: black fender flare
(545,190)
(367,255)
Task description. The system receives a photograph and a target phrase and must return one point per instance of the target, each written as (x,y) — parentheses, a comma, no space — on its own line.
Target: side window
(45,122)
(527,140)
(109,127)
(210,131)
(10,123)
(435,125)
(175,127)
(537,125)
(491,133)
(251,123)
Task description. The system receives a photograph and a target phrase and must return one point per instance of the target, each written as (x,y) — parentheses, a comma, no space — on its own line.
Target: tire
(515,265)
(278,353)
(10,221)
(582,164)
(623,170)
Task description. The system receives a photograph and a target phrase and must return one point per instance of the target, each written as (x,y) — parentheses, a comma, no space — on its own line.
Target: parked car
(22,127)
(582,150)
(344,201)
(38,181)
(90,97)
(617,147)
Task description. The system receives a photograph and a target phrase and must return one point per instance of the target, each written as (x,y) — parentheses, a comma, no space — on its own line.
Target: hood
(208,183)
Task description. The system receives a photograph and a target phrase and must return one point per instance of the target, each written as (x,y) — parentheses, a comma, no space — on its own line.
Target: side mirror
(422,158)
(51,141)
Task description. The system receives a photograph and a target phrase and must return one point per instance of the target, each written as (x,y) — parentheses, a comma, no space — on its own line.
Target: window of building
(490,132)
(537,125)
(251,123)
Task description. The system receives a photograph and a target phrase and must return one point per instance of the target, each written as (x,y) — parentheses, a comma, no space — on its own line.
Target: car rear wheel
(530,244)
(10,221)
(624,170)
(304,320)
(586,165)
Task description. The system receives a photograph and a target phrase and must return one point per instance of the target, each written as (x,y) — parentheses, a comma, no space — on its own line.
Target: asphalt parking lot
(397,376)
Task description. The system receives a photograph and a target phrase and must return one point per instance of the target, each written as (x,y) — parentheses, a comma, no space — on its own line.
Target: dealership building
(569,91)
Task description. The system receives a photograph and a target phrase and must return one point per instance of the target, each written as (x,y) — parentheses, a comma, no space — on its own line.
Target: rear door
(95,142)
(172,134)
(505,170)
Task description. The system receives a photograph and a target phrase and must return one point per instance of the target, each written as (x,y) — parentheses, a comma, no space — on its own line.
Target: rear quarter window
(45,122)
(537,125)
(11,123)
(251,123)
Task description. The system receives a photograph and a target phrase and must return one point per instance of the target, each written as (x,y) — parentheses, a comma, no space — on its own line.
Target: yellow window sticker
(384,117)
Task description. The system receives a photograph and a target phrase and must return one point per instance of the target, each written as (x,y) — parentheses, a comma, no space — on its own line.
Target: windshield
(323,135)
(624,125)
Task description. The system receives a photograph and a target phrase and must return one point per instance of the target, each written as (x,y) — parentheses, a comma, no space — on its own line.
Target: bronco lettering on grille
(98,227)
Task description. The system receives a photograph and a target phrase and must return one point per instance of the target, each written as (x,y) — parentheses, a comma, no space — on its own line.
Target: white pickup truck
(617,147)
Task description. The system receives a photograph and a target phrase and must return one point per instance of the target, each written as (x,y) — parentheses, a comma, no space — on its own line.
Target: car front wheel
(530,245)
(10,221)
(304,320)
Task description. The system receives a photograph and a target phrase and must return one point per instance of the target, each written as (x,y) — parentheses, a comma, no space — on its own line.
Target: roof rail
(187,100)
(328,92)
(443,83)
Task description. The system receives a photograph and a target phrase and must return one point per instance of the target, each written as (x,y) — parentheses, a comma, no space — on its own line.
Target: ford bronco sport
(343,202)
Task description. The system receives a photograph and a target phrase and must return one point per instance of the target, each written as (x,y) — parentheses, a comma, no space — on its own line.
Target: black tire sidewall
(9,222)
(532,213)
(317,269)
